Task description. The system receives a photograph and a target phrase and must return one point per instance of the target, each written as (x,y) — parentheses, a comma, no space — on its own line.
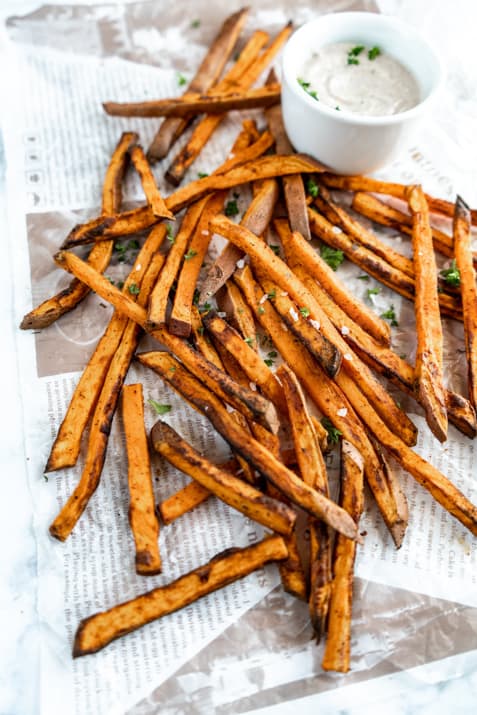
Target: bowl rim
(343,116)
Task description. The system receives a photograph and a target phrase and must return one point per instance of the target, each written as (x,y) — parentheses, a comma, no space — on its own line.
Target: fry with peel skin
(328,397)
(313,471)
(153,196)
(261,458)
(97,631)
(53,308)
(241,496)
(464,261)
(66,447)
(239,315)
(142,516)
(203,104)
(209,71)
(337,649)
(429,360)
(102,417)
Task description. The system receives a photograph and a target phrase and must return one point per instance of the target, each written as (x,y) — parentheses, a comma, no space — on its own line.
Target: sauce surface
(359,79)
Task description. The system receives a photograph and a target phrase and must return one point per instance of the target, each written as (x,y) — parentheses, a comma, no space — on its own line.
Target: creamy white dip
(359,79)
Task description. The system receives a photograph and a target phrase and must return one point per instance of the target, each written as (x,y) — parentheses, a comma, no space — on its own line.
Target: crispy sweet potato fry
(231,302)
(180,321)
(241,496)
(97,631)
(327,396)
(313,471)
(142,516)
(202,341)
(186,106)
(338,216)
(266,167)
(379,212)
(102,417)
(252,450)
(189,496)
(156,313)
(209,71)
(66,447)
(256,219)
(376,266)
(279,272)
(366,183)
(464,261)
(153,195)
(443,491)
(337,649)
(429,360)
(241,80)
(53,308)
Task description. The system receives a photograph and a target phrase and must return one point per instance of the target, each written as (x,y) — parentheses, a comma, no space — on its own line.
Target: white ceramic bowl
(351,143)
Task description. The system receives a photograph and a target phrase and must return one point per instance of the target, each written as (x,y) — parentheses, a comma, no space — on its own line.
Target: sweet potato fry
(464,261)
(429,360)
(326,395)
(180,321)
(67,444)
(186,106)
(338,216)
(379,212)
(241,80)
(136,220)
(441,488)
(337,649)
(153,195)
(239,315)
(209,71)
(95,632)
(256,219)
(53,308)
(366,183)
(202,341)
(260,457)
(189,496)
(204,129)
(156,313)
(142,516)
(102,417)
(313,471)
(241,496)
(376,266)
(280,272)
(293,187)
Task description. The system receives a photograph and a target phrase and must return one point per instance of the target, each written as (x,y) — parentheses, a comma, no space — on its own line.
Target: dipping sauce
(359,79)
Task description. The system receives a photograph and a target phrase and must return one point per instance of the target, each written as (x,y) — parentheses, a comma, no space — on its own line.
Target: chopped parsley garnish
(306,86)
(120,284)
(202,174)
(275,249)
(338,108)
(195,23)
(169,235)
(305,312)
(134,289)
(451,275)
(205,308)
(372,291)
(249,341)
(122,250)
(364,277)
(181,80)
(391,316)
(160,409)
(261,310)
(334,434)
(353,61)
(269,360)
(373,53)
(312,188)
(231,208)
(200,330)
(195,299)
(190,254)
(356,50)
(272,294)
(332,256)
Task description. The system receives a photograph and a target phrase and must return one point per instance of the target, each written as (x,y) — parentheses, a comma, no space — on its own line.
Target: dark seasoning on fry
(266,341)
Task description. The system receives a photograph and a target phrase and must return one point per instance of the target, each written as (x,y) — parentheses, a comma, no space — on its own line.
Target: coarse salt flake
(205,232)
(294,314)
(337,229)
(347,356)
(263,299)
(345,330)
(222,314)
(284,293)
(315,324)
(253,386)
(231,155)
(138,267)
(342,412)
(240,263)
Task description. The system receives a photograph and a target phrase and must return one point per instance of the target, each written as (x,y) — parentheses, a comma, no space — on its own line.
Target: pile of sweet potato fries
(333,348)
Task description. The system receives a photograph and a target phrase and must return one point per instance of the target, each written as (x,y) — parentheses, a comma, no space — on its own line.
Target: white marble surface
(421,691)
